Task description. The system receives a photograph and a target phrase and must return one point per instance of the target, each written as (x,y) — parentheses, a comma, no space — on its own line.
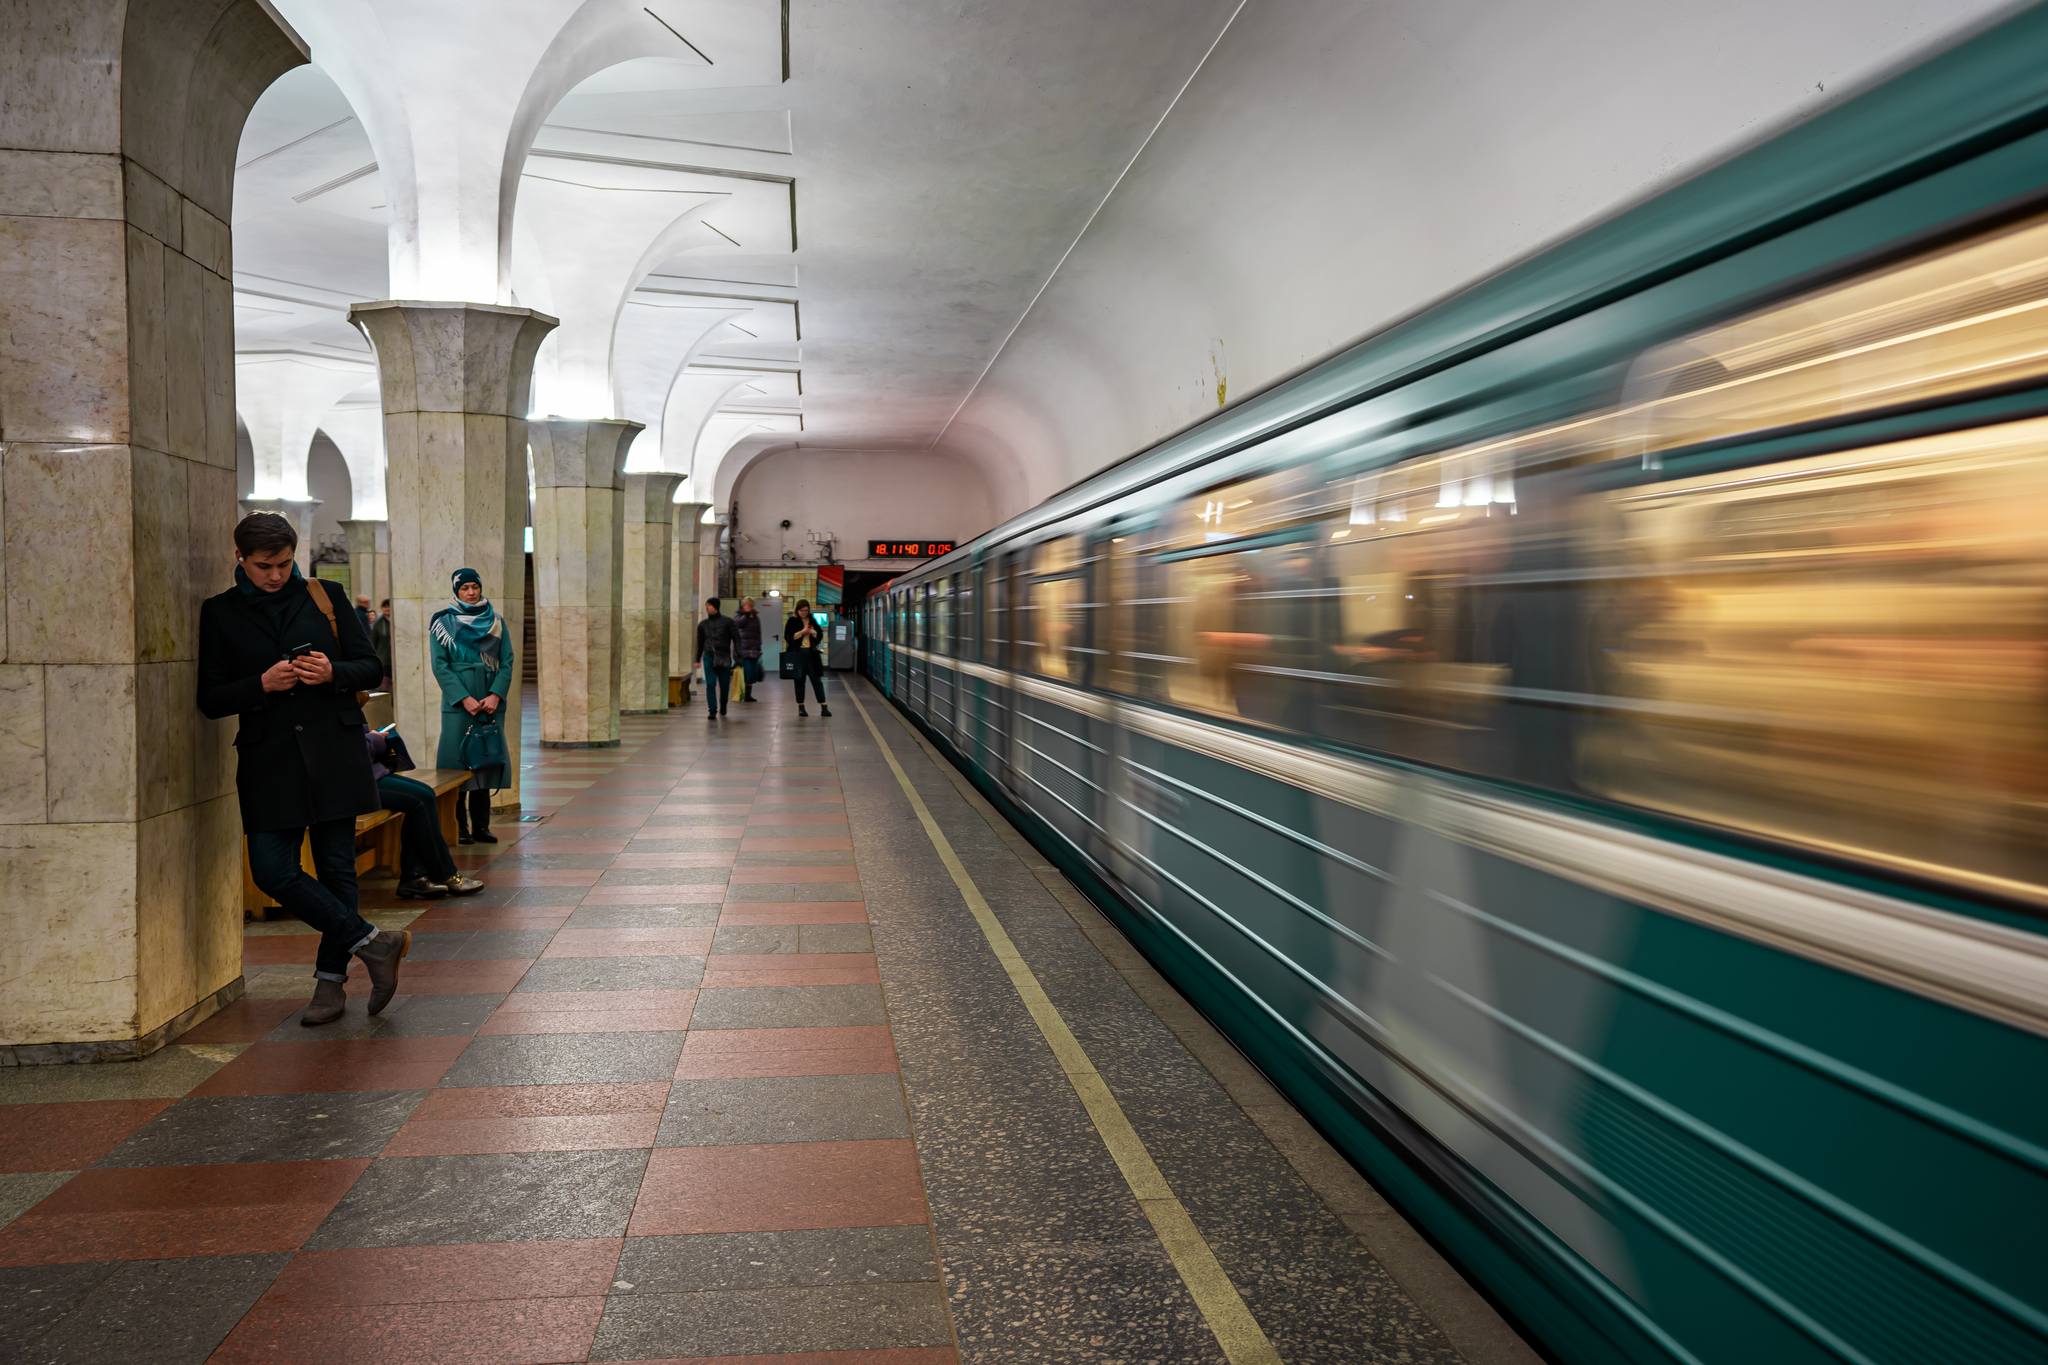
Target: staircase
(529,653)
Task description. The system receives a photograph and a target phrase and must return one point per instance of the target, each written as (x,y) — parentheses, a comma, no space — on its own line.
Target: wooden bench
(378,836)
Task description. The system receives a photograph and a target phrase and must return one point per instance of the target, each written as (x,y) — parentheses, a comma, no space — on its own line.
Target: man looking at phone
(288,656)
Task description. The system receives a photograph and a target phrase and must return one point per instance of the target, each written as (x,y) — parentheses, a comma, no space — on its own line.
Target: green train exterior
(1666,1088)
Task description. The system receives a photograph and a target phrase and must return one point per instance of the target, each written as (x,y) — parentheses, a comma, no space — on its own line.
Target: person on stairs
(473,663)
(288,659)
(801,636)
(718,649)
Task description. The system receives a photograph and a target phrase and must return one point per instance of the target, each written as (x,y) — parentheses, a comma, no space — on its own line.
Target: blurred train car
(1589,744)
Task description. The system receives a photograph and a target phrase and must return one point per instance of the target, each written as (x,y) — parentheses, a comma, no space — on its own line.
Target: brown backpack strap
(326,605)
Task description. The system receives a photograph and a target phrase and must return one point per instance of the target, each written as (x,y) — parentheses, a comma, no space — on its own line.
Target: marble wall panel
(147,326)
(211,512)
(70,554)
(217,297)
(67,913)
(188,909)
(63,329)
(52,184)
(167,737)
(151,205)
(59,98)
(23,758)
(90,720)
(206,238)
(166,607)
(184,361)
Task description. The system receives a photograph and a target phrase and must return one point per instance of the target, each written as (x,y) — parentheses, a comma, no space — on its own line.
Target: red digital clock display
(909,549)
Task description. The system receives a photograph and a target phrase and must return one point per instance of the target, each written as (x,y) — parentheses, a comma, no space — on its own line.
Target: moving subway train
(1589,744)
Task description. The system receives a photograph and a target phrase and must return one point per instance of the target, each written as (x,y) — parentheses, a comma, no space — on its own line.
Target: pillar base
(124,1049)
(579,744)
(661,712)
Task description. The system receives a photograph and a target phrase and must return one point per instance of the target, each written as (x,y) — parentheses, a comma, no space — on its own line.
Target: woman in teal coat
(473,663)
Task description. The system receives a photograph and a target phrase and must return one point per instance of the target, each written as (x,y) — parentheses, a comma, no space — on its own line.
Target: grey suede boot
(382,955)
(329,1003)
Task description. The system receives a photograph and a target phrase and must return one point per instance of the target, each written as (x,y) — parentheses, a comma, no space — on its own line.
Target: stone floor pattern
(647,1098)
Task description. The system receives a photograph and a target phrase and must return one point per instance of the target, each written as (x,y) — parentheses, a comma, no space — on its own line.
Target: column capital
(578,452)
(452,357)
(651,496)
(689,519)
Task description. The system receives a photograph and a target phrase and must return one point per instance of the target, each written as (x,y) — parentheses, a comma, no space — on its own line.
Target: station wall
(1334,167)
(857,496)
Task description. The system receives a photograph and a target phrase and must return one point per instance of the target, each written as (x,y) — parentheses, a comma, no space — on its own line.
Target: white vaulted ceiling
(739,261)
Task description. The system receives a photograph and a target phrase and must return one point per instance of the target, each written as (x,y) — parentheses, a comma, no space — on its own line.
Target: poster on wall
(831,585)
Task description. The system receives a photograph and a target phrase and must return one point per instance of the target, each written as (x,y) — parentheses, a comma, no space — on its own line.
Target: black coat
(748,623)
(795,624)
(720,638)
(300,756)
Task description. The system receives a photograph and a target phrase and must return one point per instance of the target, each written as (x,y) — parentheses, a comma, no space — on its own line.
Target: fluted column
(684,599)
(369,559)
(120,843)
(579,529)
(455,379)
(644,614)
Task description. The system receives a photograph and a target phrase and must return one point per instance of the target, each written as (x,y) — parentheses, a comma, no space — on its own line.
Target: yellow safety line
(1237,1331)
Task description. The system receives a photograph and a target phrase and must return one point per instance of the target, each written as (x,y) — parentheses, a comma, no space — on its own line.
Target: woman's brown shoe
(382,955)
(329,1003)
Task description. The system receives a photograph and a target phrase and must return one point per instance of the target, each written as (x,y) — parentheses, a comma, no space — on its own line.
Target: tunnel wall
(858,496)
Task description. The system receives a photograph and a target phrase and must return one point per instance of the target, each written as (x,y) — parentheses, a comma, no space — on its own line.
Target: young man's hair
(264,532)
(385,603)
(712,602)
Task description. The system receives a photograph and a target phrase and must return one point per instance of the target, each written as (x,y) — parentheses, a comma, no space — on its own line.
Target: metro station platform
(732,1061)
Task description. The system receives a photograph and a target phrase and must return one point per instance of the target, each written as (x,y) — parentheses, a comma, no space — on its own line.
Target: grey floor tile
(34,1297)
(757,938)
(407,1016)
(794,891)
(169,1071)
(663,876)
(643,917)
(788,1007)
(710,1113)
(764,805)
(1245,1198)
(831,857)
(543,897)
(222,1128)
(771,1321)
(556,862)
(538,838)
(765,1260)
(566,1059)
(479,945)
(504,1197)
(997,1170)
(613,974)
(156,1312)
(836,938)
(23,1191)
(1095,1301)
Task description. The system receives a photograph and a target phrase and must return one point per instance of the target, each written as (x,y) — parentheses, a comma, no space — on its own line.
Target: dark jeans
(717,688)
(424,850)
(809,665)
(750,670)
(328,904)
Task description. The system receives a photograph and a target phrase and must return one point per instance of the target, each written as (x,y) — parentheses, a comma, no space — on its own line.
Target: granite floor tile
(68,1137)
(787,874)
(34,1297)
(445,978)
(1032,1302)
(566,1059)
(165,1312)
(658,876)
(735,1053)
(812,844)
(244,1021)
(1326,1301)
(757,939)
(546,897)
(771,1322)
(752,1007)
(164,1212)
(783,1109)
(791,969)
(791,893)
(593,1012)
(654,895)
(500,1197)
(778,1187)
(461,915)
(354,1064)
(633,941)
(407,1016)
(613,974)
(21,1192)
(236,1128)
(533,1118)
(703,916)
(786,912)
(756,859)
(473,945)
(766,1260)
(165,1073)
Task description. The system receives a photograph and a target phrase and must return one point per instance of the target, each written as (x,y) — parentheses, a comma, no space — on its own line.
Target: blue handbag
(483,744)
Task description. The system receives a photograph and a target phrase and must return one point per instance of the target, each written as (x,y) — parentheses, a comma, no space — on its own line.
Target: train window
(966,623)
(1053,630)
(942,616)
(1850,651)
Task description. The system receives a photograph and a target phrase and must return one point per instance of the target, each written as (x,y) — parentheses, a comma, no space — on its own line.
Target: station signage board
(909,549)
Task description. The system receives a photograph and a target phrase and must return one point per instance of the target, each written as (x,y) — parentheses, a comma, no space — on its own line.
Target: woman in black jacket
(800,637)
(288,656)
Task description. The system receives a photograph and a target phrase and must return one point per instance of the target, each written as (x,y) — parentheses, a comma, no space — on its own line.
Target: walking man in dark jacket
(290,663)
(718,647)
(749,622)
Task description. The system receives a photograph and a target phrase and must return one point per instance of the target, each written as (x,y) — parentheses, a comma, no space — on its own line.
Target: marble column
(297,511)
(120,842)
(579,531)
(369,560)
(644,614)
(685,601)
(455,379)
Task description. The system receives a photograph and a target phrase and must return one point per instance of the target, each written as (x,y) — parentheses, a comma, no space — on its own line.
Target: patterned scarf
(473,626)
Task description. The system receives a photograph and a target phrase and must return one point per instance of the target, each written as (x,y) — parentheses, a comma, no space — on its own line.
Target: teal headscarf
(473,625)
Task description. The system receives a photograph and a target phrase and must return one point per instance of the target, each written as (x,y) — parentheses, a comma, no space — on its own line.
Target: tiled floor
(653,1096)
